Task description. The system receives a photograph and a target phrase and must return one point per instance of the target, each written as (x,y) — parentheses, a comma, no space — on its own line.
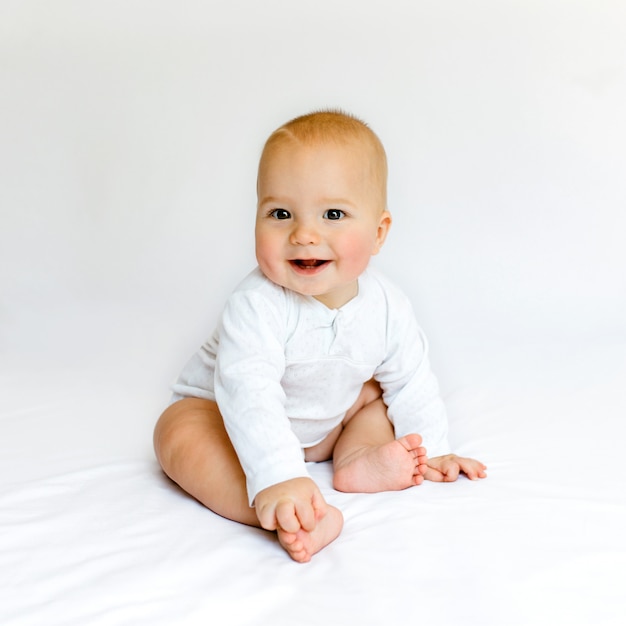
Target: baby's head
(321,210)
(333,127)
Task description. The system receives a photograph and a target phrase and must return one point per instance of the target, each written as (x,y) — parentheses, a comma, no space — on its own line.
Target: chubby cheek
(268,254)
(356,253)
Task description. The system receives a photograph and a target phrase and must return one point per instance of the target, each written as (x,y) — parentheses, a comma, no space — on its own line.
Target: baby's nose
(305,234)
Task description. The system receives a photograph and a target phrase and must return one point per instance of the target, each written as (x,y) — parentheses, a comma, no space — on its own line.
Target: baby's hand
(290,505)
(447,468)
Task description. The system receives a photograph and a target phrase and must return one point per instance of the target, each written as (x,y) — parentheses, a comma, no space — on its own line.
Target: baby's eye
(280,214)
(334,214)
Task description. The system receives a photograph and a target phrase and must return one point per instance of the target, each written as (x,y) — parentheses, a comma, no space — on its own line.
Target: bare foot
(302,545)
(390,467)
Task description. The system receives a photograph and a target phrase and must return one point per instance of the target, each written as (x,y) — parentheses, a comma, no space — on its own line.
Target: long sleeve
(410,389)
(248,371)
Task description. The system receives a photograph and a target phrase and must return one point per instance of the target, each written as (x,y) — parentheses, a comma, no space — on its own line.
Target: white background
(130,133)
(129,137)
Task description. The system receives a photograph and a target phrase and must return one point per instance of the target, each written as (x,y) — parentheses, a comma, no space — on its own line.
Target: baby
(316,356)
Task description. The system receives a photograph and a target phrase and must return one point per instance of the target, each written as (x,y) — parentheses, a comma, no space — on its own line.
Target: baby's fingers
(442,470)
(267,515)
(450,471)
(320,508)
(306,515)
(433,475)
(473,469)
(286,516)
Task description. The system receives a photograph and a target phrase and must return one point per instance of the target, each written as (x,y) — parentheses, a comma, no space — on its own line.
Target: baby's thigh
(370,392)
(190,424)
(323,451)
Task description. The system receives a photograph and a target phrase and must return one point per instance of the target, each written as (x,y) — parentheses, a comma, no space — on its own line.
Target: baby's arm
(447,468)
(414,403)
(290,505)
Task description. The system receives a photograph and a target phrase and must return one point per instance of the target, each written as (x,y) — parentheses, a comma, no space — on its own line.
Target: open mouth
(309,264)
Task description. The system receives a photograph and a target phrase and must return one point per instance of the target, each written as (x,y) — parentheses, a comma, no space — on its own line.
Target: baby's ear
(384,224)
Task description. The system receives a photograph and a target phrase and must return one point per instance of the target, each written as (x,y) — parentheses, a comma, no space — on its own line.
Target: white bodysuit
(284,369)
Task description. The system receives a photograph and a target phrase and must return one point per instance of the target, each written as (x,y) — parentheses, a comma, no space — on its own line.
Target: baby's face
(319,219)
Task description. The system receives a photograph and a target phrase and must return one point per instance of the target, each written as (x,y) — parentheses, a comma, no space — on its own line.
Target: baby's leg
(195,451)
(367,457)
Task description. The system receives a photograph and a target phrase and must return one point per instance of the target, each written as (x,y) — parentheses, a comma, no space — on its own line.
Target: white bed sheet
(91,532)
